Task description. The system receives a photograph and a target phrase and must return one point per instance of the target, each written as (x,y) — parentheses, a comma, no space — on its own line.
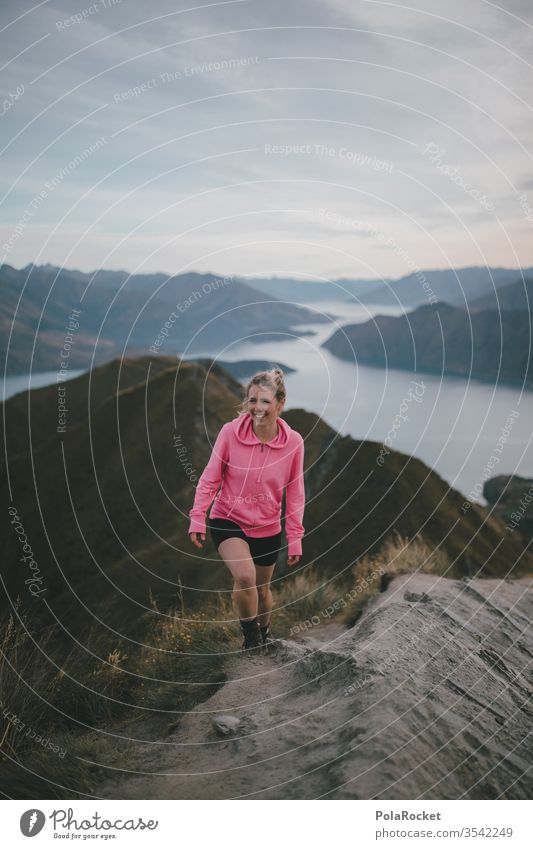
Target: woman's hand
(292,559)
(195,539)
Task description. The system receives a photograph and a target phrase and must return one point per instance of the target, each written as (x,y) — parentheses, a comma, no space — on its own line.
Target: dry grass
(398,556)
(33,743)
(78,704)
(80,700)
(310,599)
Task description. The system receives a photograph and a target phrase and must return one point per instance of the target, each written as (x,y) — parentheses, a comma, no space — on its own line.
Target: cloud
(193,97)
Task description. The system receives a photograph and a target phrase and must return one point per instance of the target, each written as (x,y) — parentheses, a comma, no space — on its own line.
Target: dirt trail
(427,696)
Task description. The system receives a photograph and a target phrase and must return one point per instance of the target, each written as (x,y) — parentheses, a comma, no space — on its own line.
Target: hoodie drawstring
(263,466)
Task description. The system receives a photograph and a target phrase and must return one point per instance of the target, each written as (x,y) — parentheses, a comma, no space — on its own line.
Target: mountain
(456,286)
(104,502)
(443,339)
(512,296)
(134,314)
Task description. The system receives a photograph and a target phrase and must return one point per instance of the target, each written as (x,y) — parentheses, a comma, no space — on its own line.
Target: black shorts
(264,550)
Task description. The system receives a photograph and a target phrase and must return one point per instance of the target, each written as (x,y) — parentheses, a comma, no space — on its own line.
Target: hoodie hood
(244,432)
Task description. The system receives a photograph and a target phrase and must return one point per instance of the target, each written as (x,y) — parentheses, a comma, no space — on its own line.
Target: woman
(255,457)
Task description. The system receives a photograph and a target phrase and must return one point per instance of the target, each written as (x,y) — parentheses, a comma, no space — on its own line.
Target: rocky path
(428,696)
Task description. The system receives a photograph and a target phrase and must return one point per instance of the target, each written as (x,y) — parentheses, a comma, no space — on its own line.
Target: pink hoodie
(253,475)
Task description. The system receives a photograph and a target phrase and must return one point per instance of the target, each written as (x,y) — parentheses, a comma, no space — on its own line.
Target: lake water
(21,382)
(465,430)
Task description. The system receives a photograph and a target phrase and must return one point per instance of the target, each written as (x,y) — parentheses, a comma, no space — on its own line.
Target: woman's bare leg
(264,593)
(235,553)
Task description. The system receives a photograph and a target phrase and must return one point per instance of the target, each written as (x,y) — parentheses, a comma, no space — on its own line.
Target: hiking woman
(256,456)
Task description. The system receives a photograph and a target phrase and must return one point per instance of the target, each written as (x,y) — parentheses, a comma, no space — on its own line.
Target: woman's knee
(244,578)
(236,555)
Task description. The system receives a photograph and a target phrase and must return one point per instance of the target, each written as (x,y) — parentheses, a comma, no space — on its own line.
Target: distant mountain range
(104,502)
(460,286)
(188,313)
(133,314)
(443,339)
(313,291)
(191,312)
(513,296)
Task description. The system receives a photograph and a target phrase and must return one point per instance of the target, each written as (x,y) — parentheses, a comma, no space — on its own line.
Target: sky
(340,138)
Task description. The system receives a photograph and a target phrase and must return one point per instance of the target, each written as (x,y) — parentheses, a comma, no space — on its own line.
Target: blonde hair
(273,380)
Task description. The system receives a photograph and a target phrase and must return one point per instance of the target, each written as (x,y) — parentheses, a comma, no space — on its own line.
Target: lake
(21,382)
(463,429)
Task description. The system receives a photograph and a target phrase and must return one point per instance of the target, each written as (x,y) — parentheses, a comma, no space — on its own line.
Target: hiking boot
(252,641)
(268,642)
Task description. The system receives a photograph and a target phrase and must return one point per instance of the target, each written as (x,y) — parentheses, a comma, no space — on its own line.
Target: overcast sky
(356,138)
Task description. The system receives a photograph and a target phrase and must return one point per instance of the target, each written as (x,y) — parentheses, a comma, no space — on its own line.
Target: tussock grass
(310,599)
(398,556)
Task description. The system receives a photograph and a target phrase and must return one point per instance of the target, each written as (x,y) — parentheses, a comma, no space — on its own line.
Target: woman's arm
(209,483)
(295,503)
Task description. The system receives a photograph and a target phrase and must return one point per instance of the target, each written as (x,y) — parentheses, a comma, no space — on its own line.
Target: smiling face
(263,406)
